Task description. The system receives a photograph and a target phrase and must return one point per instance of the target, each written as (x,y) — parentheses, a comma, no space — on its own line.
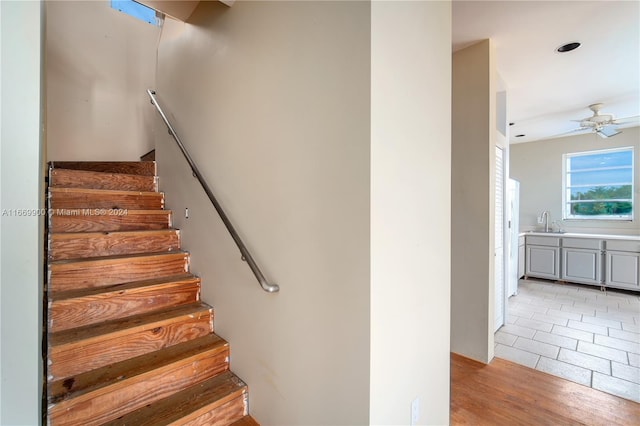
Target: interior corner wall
(472,203)
(272,101)
(538,167)
(410,211)
(99,64)
(21,220)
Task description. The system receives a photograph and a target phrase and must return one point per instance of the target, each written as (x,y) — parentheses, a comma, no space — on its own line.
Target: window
(599,184)
(138,11)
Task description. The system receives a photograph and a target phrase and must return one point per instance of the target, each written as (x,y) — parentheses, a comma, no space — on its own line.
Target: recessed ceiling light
(519,136)
(568,47)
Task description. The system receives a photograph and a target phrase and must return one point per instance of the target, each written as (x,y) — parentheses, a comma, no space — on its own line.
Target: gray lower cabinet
(582,265)
(623,264)
(612,263)
(543,257)
(582,260)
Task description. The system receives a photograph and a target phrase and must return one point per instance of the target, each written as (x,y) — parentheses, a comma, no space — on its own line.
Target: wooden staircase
(128,340)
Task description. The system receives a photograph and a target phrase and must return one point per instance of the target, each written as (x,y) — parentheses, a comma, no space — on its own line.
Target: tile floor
(575,332)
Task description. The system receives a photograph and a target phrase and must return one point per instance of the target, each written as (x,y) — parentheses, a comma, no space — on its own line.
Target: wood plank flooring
(505,393)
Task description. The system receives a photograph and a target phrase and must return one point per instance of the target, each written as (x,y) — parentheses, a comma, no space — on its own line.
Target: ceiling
(546,89)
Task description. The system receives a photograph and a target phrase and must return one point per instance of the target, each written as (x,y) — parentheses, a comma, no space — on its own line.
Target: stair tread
(143,168)
(73,178)
(105,192)
(116,258)
(219,390)
(73,200)
(135,219)
(73,274)
(78,308)
(129,340)
(88,292)
(94,172)
(94,234)
(129,212)
(81,335)
(85,245)
(108,375)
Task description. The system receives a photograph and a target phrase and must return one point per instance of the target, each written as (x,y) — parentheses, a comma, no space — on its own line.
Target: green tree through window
(599,184)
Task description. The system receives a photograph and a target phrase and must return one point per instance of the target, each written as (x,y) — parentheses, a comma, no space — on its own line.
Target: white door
(499,241)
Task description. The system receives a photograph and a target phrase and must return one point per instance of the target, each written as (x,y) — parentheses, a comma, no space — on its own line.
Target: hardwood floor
(505,393)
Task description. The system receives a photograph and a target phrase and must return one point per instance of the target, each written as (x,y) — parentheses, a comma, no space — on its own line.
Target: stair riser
(107,222)
(100,273)
(125,167)
(62,178)
(109,403)
(78,312)
(213,415)
(77,358)
(73,203)
(111,244)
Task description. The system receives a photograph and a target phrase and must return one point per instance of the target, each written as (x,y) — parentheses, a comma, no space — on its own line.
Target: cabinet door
(623,269)
(543,262)
(582,265)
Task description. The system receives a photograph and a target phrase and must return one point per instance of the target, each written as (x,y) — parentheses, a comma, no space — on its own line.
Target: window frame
(566,190)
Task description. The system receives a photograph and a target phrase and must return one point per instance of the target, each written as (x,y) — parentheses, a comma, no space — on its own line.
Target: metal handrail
(246,256)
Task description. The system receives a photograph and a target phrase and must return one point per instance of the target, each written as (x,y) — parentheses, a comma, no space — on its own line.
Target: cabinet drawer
(543,241)
(583,243)
(623,245)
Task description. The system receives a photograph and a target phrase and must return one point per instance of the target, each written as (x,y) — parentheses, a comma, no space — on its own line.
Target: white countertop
(577,235)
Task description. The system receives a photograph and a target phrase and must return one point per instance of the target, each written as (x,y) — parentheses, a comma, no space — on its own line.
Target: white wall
(272,99)
(538,167)
(21,245)
(100,62)
(410,211)
(473,201)
(275,100)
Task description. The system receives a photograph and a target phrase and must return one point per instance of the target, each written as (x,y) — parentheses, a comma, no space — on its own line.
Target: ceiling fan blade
(579,129)
(607,131)
(625,120)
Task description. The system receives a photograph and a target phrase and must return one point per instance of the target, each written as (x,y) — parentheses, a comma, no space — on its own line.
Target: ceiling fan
(602,124)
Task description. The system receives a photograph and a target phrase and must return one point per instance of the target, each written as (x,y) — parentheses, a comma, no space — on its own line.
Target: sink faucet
(545,217)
